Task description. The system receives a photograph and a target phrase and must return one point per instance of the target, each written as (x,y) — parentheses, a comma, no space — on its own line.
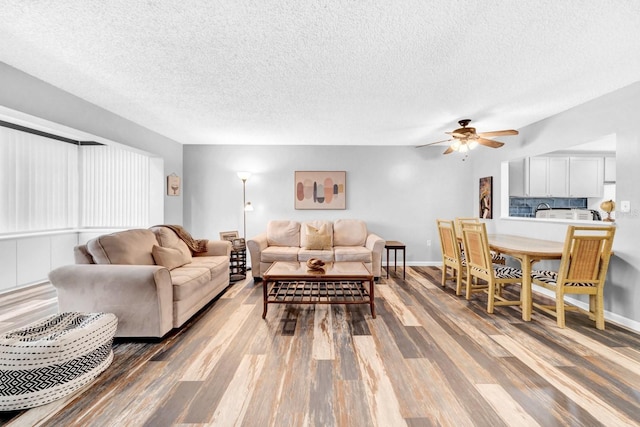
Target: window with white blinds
(114,187)
(38,183)
(46,184)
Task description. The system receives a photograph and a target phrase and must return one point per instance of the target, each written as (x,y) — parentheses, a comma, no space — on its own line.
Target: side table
(395,246)
(238,264)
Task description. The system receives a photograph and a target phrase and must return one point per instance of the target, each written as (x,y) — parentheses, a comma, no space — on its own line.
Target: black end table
(238,264)
(395,246)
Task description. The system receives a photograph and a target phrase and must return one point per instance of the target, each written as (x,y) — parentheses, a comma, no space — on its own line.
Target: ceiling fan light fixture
(473,144)
(456,145)
(463,147)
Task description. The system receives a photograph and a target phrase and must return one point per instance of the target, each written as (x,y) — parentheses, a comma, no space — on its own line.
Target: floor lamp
(246,206)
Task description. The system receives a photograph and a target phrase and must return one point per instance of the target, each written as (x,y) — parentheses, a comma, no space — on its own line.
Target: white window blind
(46,184)
(38,183)
(115,187)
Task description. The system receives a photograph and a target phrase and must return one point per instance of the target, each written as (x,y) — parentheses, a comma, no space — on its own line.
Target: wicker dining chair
(583,270)
(451,258)
(480,267)
(495,257)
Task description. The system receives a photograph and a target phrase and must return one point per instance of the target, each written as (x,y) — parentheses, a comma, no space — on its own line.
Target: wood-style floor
(429,358)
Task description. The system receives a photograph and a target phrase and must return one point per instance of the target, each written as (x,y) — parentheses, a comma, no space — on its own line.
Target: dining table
(528,251)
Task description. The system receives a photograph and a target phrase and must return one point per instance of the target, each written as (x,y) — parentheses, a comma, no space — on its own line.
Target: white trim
(419,264)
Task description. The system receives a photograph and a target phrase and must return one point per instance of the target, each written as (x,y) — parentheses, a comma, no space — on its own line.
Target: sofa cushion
(349,232)
(131,247)
(216,264)
(316,235)
(279,253)
(283,233)
(306,254)
(167,238)
(81,255)
(189,280)
(170,257)
(352,253)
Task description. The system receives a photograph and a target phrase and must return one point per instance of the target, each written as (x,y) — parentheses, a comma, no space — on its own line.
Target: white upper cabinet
(548,177)
(586,177)
(557,176)
(538,177)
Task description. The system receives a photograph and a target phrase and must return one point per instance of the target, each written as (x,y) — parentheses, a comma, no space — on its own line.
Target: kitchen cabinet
(548,177)
(586,176)
(557,176)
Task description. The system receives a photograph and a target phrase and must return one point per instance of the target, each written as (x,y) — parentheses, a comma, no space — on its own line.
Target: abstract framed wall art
(486,197)
(320,190)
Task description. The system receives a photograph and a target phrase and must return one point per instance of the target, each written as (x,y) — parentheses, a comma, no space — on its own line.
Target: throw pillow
(317,239)
(169,257)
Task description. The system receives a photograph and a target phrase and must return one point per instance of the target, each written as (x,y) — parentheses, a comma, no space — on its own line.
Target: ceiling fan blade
(457,135)
(490,143)
(498,133)
(449,150)
(432,143)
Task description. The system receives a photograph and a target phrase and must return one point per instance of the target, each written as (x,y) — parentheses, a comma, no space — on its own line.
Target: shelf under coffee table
(338,283)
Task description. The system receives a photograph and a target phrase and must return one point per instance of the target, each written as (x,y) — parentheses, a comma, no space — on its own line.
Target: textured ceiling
(326,71)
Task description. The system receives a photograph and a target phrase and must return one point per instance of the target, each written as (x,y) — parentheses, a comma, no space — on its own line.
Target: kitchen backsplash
(526,206)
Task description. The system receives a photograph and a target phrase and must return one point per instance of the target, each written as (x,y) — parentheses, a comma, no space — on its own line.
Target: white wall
(25,93)
(398,191)
(616,113)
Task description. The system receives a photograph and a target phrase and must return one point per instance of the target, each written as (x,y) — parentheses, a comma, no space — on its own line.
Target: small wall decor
(486,197)
(173,185)
(320,190)
(229,235)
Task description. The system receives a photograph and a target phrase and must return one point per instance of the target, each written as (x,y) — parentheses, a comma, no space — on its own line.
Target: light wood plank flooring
(429,359)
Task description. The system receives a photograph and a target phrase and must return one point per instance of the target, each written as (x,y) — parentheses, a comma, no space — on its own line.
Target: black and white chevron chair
(54,357)
(583,270)
(482,274)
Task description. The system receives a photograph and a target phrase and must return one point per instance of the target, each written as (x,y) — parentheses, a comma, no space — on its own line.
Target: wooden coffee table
(339,283)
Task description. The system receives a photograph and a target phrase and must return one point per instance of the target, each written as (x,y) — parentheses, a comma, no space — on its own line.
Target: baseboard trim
(421,264)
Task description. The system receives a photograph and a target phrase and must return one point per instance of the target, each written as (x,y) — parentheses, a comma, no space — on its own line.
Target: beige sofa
(341,240)
(149,278)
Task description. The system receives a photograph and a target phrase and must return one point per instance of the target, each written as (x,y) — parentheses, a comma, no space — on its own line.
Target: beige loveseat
(149,278)
(339,241)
